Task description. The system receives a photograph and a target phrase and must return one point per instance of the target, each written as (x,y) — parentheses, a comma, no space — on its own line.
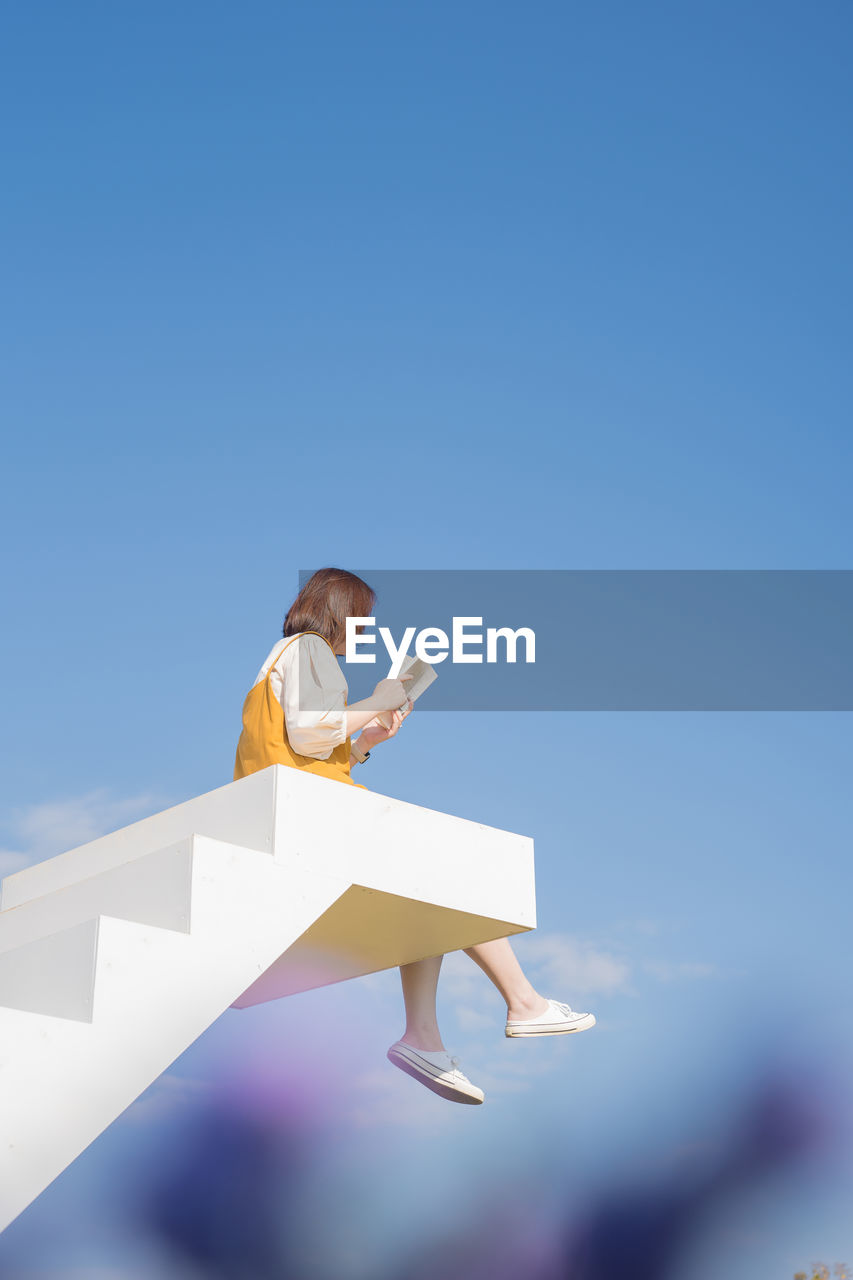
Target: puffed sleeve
(313,696)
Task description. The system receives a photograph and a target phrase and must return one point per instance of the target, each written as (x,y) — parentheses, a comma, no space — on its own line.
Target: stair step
(53,975)
(241,813)
(155,889)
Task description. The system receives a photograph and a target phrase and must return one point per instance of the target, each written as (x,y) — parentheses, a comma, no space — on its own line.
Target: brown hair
(327,599)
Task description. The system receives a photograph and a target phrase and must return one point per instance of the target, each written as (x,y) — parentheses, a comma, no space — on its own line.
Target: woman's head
(327,599)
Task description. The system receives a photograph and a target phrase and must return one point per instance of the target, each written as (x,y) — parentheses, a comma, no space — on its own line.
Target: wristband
(360,755)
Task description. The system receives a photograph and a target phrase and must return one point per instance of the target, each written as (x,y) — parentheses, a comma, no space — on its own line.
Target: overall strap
(290,640)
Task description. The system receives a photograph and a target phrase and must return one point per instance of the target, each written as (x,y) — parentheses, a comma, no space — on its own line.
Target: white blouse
(311,687)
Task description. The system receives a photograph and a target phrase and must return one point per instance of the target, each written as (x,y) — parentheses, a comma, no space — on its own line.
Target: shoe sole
(548,1029)
(421,1074)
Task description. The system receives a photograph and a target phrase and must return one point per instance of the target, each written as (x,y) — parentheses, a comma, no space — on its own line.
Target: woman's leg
(497,960)
(420,980)
(420,1053)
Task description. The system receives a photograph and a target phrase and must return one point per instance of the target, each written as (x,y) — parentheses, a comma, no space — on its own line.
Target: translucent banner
(614,640)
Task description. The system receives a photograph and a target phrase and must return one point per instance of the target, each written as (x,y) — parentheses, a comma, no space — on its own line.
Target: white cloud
(390,1099)
(463,980)
(558,964)
(87,1272)
(668,972)
(10,861)
(574,966)
(381,1101)
(42,830)
(469,1019)
(168,1093)
(650,928)
(495,1081)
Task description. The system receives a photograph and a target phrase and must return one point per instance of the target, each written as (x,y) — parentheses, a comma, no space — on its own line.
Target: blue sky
(440,286)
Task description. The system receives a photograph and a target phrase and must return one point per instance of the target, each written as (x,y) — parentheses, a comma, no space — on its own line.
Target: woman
(296,714)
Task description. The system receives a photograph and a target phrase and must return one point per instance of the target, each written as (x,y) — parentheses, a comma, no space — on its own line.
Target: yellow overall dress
(263,740)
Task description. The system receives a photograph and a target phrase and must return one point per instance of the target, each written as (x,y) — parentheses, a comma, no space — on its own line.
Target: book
(422,674)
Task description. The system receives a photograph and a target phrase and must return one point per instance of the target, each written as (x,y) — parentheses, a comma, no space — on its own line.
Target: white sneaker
(555,1021)
(437,1070)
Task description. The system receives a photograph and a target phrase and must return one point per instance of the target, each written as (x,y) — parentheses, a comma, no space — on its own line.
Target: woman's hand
(390,694)
(375,732)
(387,696)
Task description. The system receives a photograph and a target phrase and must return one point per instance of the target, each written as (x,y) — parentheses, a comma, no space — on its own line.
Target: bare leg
(420,980)
(498,961)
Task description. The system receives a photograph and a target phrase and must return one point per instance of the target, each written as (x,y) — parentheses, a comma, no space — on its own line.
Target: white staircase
(116,956)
